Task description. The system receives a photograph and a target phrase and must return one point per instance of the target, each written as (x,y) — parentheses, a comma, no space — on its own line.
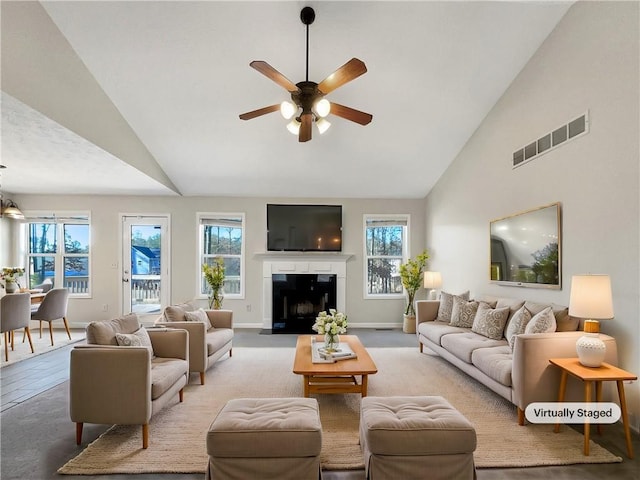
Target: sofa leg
(231,352)
(421,347)
(79,433)
(520,416)
(201,378)
(145,435)
(181,395)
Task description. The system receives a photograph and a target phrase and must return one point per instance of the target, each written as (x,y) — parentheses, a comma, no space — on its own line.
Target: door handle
(125,280)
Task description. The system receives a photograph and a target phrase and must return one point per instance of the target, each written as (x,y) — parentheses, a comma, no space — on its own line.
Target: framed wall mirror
(526,248)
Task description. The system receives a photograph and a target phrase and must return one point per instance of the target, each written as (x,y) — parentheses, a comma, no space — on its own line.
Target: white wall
(589,62)
(106,246)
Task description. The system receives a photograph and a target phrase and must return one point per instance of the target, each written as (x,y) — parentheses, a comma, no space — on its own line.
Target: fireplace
(298,298)
(310,282)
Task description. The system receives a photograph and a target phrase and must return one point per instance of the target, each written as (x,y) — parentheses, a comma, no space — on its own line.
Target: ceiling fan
(309,104)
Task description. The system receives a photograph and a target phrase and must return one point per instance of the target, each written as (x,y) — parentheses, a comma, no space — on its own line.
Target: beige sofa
(522,375)
(206,345)
(126,383)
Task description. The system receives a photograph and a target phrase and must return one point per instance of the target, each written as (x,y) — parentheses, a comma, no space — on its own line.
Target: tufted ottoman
(415,438)
(265,438)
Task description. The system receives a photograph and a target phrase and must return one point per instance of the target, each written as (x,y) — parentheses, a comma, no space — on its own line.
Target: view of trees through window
(67,266)
(385,246)
(222,237)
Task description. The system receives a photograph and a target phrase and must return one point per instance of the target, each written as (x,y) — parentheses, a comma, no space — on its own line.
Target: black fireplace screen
(298,298)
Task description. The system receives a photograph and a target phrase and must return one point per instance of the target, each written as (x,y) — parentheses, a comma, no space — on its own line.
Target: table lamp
(591,299)
(432,281)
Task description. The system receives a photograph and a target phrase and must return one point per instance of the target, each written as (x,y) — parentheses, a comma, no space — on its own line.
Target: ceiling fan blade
(352,114)
(259,112)
(270,72)
(305,127)
(350,70)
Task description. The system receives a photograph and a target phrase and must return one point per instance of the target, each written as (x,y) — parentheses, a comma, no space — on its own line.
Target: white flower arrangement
(333,323)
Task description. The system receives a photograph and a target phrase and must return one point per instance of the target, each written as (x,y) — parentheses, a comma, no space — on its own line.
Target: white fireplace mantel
(309,263)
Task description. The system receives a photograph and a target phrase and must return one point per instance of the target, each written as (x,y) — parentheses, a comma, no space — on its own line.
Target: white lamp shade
(591,297)
(287,109)
(294,126)
(432,280)
(323,125)
(322,107)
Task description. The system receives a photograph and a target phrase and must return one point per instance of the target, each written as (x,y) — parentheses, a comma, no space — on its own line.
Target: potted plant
(214,275)
(9,275)
(411,277)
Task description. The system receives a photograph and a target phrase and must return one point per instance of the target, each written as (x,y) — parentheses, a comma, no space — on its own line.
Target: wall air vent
(549,141)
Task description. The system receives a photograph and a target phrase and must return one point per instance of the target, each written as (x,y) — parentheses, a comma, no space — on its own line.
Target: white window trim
(32,216)
(405,252)
(243,278)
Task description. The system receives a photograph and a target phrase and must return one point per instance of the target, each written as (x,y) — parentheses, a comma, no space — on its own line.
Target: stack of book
(322,355)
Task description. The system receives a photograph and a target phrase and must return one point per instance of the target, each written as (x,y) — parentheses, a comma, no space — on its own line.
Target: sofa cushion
(198,316)
(489,321)
(218,338)
(446,305)
(517,325)
(542,322)
(463,313)
(104,332)
(139,338)
(462,345)
(175,313)
(495,362)
(436,329)
(165,372)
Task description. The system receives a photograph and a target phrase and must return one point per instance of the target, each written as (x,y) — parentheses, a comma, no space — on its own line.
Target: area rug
(22,351)
(177,434)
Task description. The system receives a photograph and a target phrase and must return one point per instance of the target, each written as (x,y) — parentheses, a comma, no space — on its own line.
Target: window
(222,235)
(386,238)
(58,251)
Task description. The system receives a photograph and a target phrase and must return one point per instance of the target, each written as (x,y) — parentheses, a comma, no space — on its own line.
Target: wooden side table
(597,375)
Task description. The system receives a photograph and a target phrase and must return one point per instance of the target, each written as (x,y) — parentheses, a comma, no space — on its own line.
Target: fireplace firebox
(298,298)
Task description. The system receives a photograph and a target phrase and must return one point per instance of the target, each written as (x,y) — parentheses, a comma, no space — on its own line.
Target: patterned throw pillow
(139,338)
(490,322)
(198,316)
(463,313)
(517,325)
(543,322)
(446,305)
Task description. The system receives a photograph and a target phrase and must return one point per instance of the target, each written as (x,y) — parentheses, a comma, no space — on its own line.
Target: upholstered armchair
(208,341)
(126,373)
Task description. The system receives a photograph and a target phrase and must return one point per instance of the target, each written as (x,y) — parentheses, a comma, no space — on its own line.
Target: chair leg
(66,327)
(40,328)
(27,332)
(521,416)
(13,337)
(145,435)
(201,378)
(79,432)
(181,395)
(51,332)
(6,346)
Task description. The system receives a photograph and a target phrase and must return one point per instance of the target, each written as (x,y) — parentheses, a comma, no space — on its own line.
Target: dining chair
(15,313)
(53,307)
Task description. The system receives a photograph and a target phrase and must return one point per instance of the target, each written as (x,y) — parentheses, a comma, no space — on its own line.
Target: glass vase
(331,342)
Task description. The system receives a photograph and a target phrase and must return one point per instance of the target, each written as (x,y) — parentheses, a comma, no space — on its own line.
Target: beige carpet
(22,351)
(177,434)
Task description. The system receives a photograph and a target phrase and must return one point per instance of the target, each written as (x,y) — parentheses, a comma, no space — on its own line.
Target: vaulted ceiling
(143,97)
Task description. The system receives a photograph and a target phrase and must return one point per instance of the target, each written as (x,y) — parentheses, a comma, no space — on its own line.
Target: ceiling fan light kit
(309,105)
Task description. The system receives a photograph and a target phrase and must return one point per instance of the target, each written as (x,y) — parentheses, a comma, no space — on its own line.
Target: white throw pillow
(198,316)
(517,325)
(139,338)
(463,313)
(489,322)
(543,322)
(445,309)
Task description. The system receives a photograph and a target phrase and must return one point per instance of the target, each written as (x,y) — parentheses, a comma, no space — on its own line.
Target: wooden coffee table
(339,377)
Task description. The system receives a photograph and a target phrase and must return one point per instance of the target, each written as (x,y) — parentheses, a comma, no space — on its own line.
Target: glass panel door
(145,274)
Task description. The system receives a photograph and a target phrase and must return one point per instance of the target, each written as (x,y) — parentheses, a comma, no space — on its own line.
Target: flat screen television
(304,228)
